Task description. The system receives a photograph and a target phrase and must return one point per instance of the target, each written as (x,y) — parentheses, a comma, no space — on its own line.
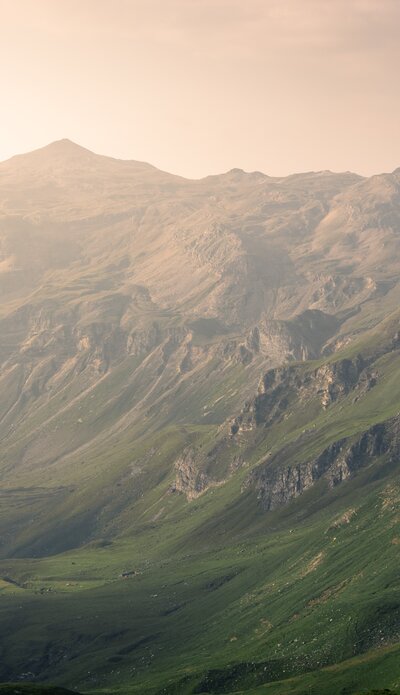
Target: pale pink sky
(200,86)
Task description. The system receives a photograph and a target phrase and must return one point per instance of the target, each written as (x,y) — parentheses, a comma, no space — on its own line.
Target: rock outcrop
(282,385)
(190,480)
(277,484)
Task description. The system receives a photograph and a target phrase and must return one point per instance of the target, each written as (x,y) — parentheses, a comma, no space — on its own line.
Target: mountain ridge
(66,146)
(199,427)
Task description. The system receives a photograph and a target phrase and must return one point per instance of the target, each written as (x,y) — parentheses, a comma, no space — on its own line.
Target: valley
(199,424)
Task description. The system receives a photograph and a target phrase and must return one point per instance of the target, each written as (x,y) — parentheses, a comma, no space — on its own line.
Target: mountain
(199,422)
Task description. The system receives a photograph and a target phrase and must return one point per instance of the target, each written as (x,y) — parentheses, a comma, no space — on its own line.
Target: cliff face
(292,391)
(278,387)
(190,480)
(277,485)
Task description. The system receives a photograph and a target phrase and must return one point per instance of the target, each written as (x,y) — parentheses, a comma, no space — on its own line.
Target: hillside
(199,422)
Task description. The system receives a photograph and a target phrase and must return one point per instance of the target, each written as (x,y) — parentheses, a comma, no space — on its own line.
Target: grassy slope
(220,588)
(225,597)
(287,601)
(31,689)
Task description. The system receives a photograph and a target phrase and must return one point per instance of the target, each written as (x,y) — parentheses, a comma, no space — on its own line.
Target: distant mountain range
(199,426)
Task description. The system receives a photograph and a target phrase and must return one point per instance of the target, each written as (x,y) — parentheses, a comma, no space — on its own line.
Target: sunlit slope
(200,429)
(134,300)
(216,605)
(218,594)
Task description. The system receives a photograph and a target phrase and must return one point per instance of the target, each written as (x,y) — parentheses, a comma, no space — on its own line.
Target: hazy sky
(201,86)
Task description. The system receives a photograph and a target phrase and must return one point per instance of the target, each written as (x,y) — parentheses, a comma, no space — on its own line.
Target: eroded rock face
(281,385)
(278,386)
(141,341)
(190,480)
(298,339)
(277,485)
(197,471)
(270,402)
(280,390)
(337,379)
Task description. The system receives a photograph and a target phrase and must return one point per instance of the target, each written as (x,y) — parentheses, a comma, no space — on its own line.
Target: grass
(31,689)
(221,597)
(294,600)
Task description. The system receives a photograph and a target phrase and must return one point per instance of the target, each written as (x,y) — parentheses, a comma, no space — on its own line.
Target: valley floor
(303,604)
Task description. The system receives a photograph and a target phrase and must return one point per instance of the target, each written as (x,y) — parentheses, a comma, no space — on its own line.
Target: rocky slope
(112,268)
(199,423)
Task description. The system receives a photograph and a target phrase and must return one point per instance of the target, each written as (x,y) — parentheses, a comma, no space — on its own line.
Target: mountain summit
(59,151)
(65,147)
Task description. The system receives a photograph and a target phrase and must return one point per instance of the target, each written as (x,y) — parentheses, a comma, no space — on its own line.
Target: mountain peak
(58,154)
(64,148)
(67,145)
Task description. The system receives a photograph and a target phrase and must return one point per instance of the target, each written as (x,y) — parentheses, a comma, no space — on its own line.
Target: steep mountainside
(199,423)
